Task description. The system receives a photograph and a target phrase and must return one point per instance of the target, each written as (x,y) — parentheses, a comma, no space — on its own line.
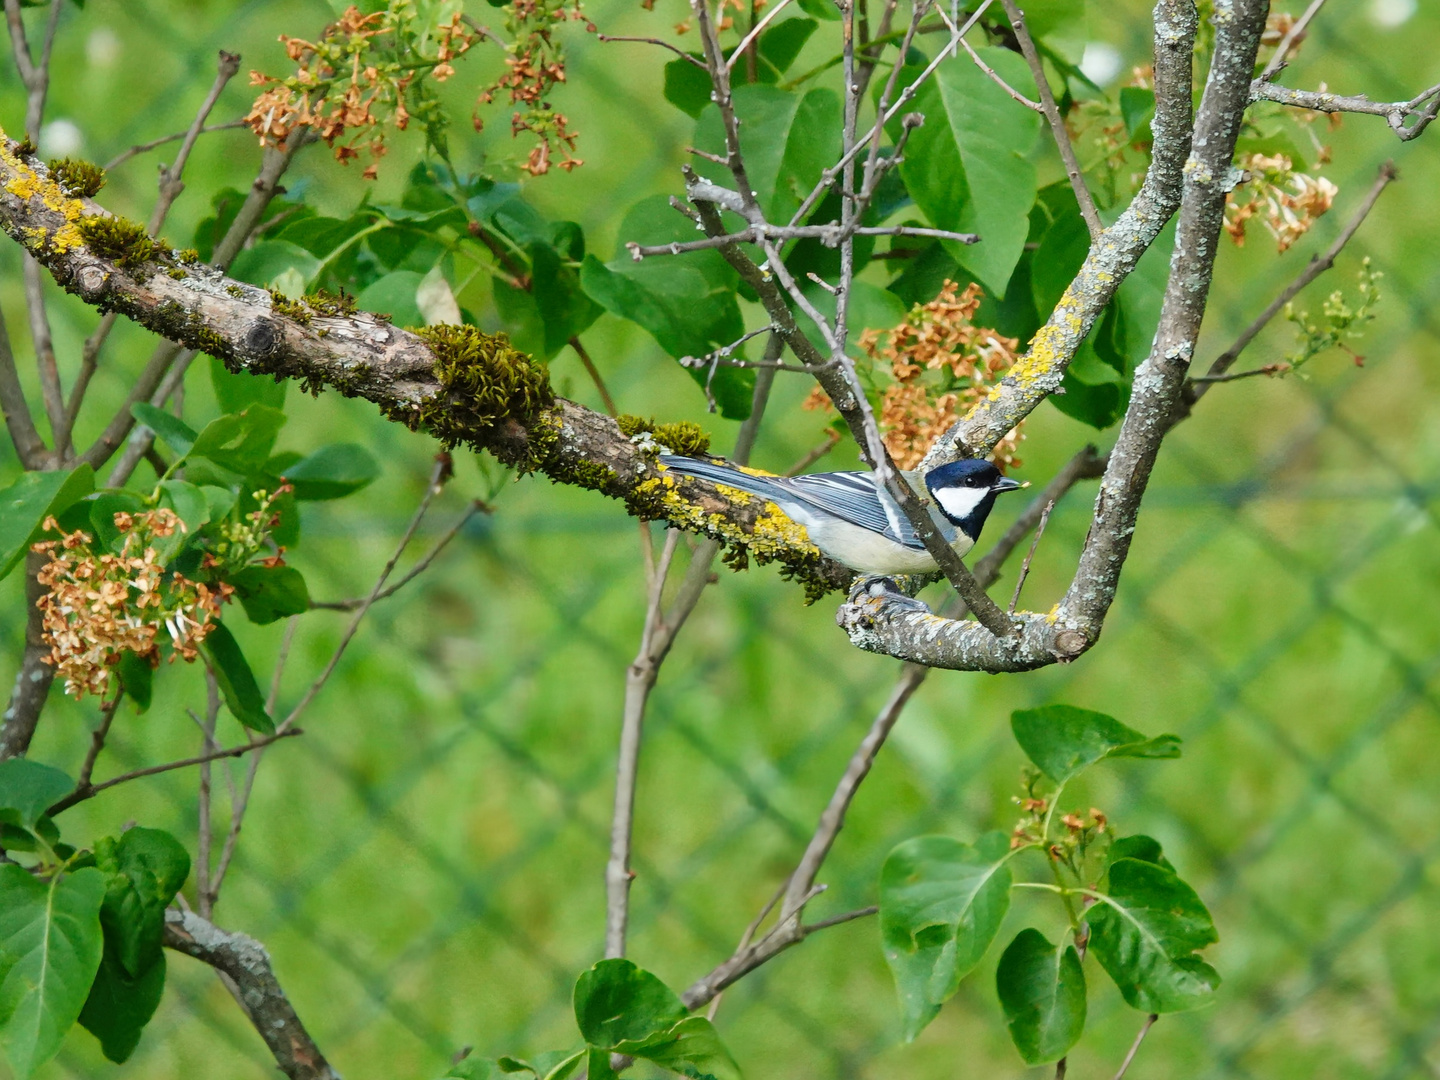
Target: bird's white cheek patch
(960,502)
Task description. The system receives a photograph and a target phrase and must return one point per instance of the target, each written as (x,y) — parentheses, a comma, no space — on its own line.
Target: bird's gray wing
(854,497)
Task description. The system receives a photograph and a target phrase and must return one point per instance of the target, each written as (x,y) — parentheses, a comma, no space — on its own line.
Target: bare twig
(997,80)
(438,475)
(1423,107)
(29,447)
(654,41)
(1135,1046)
(1317,266)
(815,453)
(1297,30)
(1029,556)
(244,962)
(829,235)
(753,35)
(203,898)
(1268,369)
(97,738)
(475,507)
(89,791)
(141,442)
(1057,122)
(594,373)
(639,679)
(143,148)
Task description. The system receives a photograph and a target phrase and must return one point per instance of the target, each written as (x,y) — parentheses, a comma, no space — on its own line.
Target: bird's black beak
(1005,484)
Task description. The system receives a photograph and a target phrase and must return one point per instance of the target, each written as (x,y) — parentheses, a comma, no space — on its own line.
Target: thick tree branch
(245,964)
(1111,258)
(364,356)
(878,619)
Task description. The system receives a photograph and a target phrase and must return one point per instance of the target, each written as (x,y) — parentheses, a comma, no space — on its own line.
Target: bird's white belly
(869,552)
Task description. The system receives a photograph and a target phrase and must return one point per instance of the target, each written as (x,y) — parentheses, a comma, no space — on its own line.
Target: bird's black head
(965,491)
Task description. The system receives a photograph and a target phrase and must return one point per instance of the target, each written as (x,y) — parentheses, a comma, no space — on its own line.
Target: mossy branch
(464,386)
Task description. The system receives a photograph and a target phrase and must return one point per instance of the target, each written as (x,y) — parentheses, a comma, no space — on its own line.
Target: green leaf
(50,949)
(27,788)
(240,441)
(119,1006)
(1144,848)
(25,505)
(617,1002)
(1042,991)
(687,87)
(103,509)
(276,263)
(1058,259)
(268,593)
(778,48)
(597,1065)
(171,430)
(1063,740)
(821,9)
(1145,935)
(234,392)
(1137,106)
(941,905)
(237,681)
(394,295)
(968,168)
(146,868)
(138,679)
(691,1047)
(190,505)
(564,309)
(332,472)
(788,139)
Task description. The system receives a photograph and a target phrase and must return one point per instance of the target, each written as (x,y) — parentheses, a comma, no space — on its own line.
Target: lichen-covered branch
(880,620)
(1112,256)
(464,386)
(1408,119)
(244,962)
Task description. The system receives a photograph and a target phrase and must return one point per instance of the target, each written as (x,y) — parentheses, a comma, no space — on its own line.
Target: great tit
(852,519)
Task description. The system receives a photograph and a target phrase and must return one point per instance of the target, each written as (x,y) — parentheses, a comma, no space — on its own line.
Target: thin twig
(1297,30)
(1135,1046)
(1057,122)
(594,373)
(240,802)
(752,36)
(438,475)
(830,235)
(204,832)
(639,678)
(97,739)
(997,80)
(1268,369)
(80,795)
(1317,266)
(1394,112)
(415,571)
(1030,555)
(815,453)
(29,447)
(653,41)
(143,148)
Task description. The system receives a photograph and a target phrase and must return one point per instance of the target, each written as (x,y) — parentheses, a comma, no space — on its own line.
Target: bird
(853,519)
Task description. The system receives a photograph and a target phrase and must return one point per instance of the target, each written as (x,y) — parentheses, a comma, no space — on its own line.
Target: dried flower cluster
(362,73)
(1287,202)
(939,364)
(535,65)
(98,605)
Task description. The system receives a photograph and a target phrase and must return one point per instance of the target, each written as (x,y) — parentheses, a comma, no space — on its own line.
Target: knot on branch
(261,339)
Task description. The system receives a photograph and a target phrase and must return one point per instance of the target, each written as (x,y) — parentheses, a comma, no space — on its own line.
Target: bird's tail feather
(764,486)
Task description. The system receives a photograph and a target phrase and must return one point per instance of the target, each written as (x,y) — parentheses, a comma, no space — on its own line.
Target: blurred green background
(426,864)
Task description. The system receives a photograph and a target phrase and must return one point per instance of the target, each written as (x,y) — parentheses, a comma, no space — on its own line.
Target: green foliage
(941,905)
(1145,933)
(78,176)
(333,472)
(942,901)
(1042,991)
(1063,741)
(237,682)
(27,788)
(968,166)
(50,949)
(26,503)
(623,1009)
